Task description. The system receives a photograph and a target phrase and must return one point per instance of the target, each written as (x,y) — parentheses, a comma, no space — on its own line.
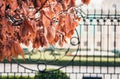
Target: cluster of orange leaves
(41,22)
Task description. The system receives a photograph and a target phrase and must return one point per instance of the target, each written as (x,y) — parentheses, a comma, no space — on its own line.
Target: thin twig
(41,6)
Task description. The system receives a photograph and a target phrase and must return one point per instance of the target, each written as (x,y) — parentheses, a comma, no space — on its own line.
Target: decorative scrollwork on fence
(53,55)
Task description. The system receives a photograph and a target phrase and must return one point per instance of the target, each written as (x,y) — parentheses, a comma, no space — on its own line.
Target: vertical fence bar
(11,67)
(80,57)
(87,59)
(115,33)
(4,67)
(94,41)
(101,32)
(108,43)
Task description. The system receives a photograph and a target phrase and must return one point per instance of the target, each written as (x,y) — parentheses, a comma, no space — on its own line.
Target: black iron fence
(92,53)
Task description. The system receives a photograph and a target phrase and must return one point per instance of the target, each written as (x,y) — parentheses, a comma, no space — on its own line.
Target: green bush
(51,75)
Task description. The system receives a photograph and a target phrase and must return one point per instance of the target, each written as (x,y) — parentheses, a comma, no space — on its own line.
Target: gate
(92,53)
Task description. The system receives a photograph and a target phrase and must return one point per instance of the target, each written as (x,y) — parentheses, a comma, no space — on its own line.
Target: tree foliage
(41,22)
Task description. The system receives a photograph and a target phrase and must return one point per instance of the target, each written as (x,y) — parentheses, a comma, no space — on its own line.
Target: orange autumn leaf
(86,1)
(14,53)
(13,4)
(18,49)
(51,34)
